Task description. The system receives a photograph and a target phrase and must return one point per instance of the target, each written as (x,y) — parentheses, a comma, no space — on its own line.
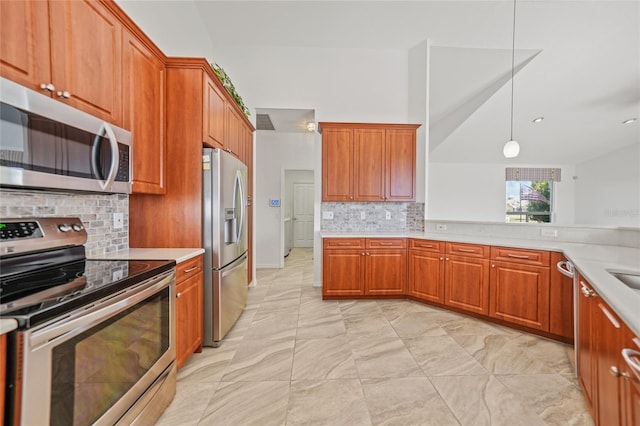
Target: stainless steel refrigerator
(224,183)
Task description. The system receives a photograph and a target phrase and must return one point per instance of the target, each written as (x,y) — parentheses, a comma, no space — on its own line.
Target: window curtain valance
(533,174)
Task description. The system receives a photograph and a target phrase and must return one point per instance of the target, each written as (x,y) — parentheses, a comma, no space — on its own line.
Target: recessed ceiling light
(537,119)
(629,121)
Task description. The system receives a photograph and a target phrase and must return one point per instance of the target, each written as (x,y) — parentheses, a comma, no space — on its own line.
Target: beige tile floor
(295,359)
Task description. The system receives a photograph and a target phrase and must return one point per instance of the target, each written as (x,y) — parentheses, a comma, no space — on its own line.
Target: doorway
(302,215)
(298,209)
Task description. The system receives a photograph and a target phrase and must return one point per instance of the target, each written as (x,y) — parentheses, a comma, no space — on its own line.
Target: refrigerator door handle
(239,191)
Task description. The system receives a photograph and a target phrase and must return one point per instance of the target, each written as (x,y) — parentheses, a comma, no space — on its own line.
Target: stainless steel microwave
(47,144)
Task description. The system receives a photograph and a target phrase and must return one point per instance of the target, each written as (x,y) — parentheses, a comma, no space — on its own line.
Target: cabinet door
(520,294)
(143,81)
(426,275)
(368,165)
(560,301)
(188,318)
(86,57)
(607,340)
(631,385)
(400,168)
(343,272)
(466,284)
(337,165)
(213,119)
(234,131)
(24,43)
(584,344)
(385,272)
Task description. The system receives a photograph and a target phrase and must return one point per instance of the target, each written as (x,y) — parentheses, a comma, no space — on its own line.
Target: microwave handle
(106,129)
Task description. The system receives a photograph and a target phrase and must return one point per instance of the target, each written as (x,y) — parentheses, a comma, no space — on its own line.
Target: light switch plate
(118,220)
(388,215)
(441,227)
(363,215)
(327,215)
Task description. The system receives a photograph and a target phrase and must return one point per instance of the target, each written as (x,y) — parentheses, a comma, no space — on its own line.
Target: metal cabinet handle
(178,295)
(565,268)
(186,271)
(493,266)
(64,94)
(466,250)
(632,357)
(586,291)
(48,87)
(517,256)
(615,372)
(425,245)
(386,244)
(446,258)
(442,258)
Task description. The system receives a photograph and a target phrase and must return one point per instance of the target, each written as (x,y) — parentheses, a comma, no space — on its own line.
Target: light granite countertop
(7,325)
(178,254)
(592,261)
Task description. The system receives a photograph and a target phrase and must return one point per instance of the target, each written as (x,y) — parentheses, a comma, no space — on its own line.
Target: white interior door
(303,215)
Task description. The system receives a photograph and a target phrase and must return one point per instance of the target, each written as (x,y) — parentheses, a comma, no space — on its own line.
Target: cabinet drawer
(340,243)
(427,245)
(469,250)
(529,257)
(188,268)
(386,243)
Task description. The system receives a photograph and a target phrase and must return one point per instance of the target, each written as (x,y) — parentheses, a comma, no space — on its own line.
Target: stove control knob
(77,227)
(64,228)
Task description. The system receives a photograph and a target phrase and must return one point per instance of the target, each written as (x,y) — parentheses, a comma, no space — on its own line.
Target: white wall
(275,152)
(368,85)
(476,192)
(418,104)
(171,26)
(608,189)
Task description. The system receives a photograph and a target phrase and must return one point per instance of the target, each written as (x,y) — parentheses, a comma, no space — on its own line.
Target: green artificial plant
(226,82)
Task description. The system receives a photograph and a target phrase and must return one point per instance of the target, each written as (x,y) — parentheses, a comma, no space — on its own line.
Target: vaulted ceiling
(577,63)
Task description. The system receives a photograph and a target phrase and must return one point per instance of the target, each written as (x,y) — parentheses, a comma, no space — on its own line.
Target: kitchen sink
(630,279)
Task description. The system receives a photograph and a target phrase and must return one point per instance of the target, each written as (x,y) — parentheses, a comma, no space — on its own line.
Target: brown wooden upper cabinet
(144,82)
(214,111)
(70,50)
(368,161)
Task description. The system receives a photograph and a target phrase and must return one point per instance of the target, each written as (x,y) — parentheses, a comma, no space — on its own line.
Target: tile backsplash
(372,217)
(94,210)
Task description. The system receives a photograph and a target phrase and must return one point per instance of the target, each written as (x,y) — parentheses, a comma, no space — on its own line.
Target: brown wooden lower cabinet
(515,286)
(610,386)
(520,294)
(426,275)
(189,306)
(466,283)
(631,383)
(560,301)
(364,267)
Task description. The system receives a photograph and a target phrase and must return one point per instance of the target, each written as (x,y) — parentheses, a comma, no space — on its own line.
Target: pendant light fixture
(512,148)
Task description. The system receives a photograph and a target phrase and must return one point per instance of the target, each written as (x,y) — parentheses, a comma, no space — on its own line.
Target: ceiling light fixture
(512,148)
(629,121)
(311,126)
(537,119)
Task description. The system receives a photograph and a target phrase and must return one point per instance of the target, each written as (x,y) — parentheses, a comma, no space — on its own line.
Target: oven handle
(83,319)
(565,268)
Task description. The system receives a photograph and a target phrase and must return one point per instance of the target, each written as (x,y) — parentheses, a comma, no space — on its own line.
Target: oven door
(92,365)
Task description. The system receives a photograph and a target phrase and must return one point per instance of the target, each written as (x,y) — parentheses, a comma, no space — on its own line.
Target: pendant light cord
(513,61)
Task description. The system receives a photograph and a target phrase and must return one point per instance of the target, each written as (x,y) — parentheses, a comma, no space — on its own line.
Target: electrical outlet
(363,215)
(327,215)
(549,233)
(388,214)
(118,220)
(441,227)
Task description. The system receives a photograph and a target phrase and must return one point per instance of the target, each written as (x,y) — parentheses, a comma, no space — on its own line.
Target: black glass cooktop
(33,292)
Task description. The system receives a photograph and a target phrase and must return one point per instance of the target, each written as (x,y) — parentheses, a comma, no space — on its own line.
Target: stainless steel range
(96,338)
